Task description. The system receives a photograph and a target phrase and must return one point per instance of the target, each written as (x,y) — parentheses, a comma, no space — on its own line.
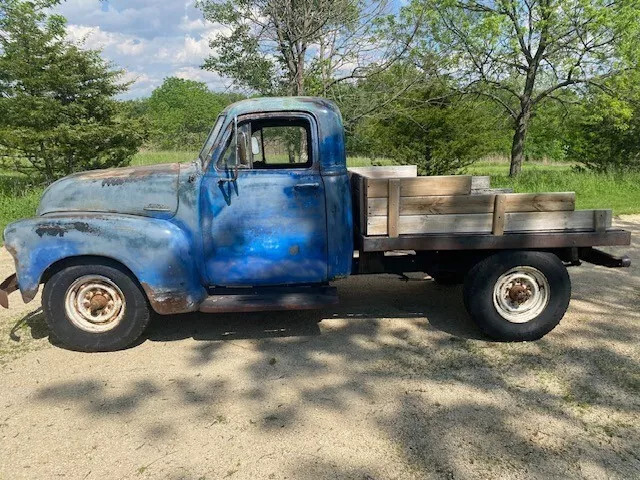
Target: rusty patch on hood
(59,229)
(120,176)
(130,172)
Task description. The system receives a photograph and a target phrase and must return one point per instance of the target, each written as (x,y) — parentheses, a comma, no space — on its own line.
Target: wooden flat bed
(395,209)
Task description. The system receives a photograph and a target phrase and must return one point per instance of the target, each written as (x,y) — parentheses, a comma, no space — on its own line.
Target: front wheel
(95,308)
(518,296)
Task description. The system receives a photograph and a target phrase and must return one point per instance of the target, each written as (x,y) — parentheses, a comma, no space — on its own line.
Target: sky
(150,39)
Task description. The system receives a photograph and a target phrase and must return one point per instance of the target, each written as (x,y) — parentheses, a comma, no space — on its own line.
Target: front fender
(157,252)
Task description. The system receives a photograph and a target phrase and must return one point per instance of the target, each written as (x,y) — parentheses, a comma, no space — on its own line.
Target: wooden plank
(393,211)
(444,204)
(548,221)
(483,223)
(363,203)
(394,171)
(497,227)
(435,204)
(601,220)
(541,202)
(483,241)
(480,182)
(420,186)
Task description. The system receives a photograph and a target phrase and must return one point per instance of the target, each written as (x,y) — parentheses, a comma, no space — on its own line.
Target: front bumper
(9,285)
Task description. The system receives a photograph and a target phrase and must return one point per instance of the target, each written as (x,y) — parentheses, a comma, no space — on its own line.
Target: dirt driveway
(395,383)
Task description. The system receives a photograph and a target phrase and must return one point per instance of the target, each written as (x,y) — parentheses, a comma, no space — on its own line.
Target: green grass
(147,157)
(619,192)
(19,196)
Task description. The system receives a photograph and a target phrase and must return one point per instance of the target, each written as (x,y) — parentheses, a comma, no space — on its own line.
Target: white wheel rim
(521,294)
(94,304)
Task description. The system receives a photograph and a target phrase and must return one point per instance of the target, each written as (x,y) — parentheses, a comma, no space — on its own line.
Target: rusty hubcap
(94,303)
(521,294)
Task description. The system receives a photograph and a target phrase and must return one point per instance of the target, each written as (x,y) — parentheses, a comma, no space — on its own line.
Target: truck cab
(267,216)
(274,198)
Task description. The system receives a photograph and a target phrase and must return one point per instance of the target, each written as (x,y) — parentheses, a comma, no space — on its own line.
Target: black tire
(479,295)
(128,329)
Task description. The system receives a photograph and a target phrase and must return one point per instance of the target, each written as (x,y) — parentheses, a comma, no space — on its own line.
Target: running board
(269,298)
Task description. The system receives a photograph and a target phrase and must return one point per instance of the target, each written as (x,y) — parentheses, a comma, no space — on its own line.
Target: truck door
(263,210)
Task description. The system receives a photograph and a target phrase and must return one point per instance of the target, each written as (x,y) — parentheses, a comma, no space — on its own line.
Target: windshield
(208,145)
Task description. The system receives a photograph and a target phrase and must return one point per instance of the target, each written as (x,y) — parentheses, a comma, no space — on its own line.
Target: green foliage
(58,112)
(605,136)
(429,126)
(551,126)
(181,113)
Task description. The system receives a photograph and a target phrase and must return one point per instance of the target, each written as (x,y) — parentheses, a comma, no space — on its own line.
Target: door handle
(306,186)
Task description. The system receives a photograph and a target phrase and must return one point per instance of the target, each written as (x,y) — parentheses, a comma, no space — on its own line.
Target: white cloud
(213,80)
(95,38)
(150,39)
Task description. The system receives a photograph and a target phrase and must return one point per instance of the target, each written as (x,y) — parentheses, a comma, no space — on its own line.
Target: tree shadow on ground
(460,407)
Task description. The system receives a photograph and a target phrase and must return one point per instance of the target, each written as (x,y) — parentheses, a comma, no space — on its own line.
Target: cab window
(273,143)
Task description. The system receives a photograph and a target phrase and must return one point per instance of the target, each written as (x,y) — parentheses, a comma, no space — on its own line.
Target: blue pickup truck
(268,216)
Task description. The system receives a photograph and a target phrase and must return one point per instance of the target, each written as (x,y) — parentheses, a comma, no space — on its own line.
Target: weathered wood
(499,209)
(541,202)
(393,171)
(493,191)
(363,202)
(393,211)
(484,241)
(443,204)
(480,182)
(420,186)
(601,220)
(435,204)
(549,221)
(483,223)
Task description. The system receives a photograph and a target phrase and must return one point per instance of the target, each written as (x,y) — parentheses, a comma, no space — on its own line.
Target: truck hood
(150,191)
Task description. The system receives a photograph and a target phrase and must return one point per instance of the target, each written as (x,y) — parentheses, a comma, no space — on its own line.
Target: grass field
(19,196)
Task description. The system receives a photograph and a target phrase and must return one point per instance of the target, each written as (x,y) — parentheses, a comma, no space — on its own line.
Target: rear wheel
(518,296)
(95,307)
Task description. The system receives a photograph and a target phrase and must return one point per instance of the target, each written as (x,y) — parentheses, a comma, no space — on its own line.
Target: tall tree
(520,53)
(57,101)
(298,47)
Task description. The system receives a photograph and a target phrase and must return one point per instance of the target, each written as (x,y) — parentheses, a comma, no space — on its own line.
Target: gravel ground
(395,383)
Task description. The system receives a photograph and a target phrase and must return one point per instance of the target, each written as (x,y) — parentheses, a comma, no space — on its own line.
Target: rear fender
(157,252)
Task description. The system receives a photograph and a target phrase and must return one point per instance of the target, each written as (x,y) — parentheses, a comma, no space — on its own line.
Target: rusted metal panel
(8,286)
(533,240)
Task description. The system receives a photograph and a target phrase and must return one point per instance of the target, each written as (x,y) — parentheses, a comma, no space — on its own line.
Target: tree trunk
(300,71)
(518,144)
